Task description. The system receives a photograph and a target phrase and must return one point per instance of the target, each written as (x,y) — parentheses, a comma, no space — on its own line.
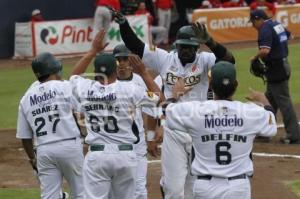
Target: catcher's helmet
(186,36)
(105,63)
(45,64)
(121,51)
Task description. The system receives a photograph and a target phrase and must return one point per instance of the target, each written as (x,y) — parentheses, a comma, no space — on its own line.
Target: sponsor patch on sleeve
(152,48)
(270,119)
(150,94)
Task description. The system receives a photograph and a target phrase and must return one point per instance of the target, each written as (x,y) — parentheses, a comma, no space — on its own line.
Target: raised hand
(137,64)
(117,15)
(201,32)
(97,45)
(179,88)
(257,97)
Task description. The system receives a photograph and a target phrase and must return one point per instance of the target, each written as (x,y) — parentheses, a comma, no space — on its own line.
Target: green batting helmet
(186,36)
(121,51)
(105,63)
(45,64)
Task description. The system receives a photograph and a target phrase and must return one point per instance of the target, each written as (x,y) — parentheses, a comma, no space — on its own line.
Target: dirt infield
(268,181)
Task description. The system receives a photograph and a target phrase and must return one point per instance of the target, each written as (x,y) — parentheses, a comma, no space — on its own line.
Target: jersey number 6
(223,156)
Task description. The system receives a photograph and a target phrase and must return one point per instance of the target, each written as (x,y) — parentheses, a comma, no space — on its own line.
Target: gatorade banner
(71,37)
(232,24)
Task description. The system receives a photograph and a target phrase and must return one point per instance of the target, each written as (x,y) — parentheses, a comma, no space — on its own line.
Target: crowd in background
(169,15)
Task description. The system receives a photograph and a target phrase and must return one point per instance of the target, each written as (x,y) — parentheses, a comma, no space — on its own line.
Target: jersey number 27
(40,122)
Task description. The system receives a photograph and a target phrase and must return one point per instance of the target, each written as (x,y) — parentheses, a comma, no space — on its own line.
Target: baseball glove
(258,68)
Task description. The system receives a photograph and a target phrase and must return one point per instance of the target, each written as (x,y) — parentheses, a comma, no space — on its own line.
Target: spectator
(160,34)
(36,16)
(128,7)
(211,4)
(260,4)
(234,3)
(102,18)
(164,13)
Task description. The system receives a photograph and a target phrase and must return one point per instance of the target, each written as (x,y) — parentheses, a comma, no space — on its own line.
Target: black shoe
(285,140)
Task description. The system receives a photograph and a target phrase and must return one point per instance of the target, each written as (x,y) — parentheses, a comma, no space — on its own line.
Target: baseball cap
(105,63)
(35,12)
(223,75)
(257,14)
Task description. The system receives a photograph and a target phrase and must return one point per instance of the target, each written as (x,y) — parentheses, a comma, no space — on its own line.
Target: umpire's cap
(105,63)
(186,36)
(121,51)
(223,78)
(45,64)
(257,14)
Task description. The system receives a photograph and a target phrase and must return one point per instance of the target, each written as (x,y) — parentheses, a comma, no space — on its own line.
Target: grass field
(15,81)
(16,193)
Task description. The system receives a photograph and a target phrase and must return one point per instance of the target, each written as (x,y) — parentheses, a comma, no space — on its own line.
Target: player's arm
(139,68)
(24,132)
(97,46)
(178,117)
(265,43)
(150,126)
(132,42)
(28,147)
(220,51)
(266,117)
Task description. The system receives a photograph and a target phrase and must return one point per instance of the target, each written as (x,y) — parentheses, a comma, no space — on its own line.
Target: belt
(122,147)
(209,177)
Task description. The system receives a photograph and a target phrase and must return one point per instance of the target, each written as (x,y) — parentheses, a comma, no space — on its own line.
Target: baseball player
(222,131)
(125,73)
(193,67)
(109,108)
(45,118)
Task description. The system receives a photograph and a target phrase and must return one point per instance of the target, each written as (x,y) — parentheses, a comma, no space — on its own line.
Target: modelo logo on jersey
(49,35)
(225,121)
(46,96)
(92,97)
(188,81)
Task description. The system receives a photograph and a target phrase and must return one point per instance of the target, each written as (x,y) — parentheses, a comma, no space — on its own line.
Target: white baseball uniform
(45,115)
(176,151)
(109,111)
(222,134)
(141,147)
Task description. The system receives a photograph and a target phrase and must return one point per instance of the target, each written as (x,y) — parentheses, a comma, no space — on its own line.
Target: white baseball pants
(58,160)
(109,170)
(220,188)
(176,165)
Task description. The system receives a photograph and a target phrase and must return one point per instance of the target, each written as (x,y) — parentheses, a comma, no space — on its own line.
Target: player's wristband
(150,135)
(161,122)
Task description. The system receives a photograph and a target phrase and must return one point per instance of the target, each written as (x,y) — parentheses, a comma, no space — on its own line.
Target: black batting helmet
(121,51)
(186,36)
(45,64)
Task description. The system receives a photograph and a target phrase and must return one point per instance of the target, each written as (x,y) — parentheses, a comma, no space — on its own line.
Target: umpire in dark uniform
(273,51)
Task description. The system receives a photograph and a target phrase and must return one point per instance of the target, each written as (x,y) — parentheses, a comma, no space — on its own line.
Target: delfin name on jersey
(224,137)
(191,80)
(45,97)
